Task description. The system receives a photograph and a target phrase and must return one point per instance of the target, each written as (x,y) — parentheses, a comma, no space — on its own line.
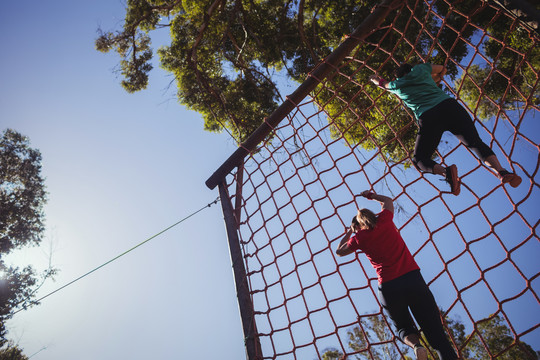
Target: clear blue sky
(119,168)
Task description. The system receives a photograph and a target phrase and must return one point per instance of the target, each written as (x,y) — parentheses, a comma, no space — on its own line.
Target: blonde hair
(366,218)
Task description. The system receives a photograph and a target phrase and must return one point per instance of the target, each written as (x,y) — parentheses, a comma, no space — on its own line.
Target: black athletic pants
(410,291)
(449,115)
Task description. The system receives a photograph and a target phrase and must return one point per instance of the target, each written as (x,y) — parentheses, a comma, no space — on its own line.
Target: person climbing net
(401,285)
(437,112)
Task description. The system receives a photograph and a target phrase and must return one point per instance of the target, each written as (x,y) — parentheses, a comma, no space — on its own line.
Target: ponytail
(366,219)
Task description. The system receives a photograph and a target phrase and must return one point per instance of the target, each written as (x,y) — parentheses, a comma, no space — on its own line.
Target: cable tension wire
(119,256)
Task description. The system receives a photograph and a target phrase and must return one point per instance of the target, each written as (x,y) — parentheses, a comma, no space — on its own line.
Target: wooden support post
(251,339)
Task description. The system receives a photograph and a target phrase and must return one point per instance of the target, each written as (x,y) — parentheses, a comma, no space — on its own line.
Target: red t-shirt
(384,248)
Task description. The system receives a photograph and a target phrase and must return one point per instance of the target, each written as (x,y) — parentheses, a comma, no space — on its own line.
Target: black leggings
(449,115)
(410,291)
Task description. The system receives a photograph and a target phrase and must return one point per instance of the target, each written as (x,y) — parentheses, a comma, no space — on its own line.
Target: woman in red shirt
(401,286)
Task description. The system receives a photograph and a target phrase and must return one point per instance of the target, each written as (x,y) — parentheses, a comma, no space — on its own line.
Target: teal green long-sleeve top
(418,90)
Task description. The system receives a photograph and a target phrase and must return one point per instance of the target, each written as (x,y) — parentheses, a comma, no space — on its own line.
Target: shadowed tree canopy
(492,339)
(12,352)
(223,54)
(22,196)
(371,340)
(17,287)
(22,193)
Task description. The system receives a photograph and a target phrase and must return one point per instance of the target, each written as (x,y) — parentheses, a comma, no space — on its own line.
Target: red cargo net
(479,251)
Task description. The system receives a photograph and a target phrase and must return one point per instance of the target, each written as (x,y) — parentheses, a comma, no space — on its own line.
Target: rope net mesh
(478,251)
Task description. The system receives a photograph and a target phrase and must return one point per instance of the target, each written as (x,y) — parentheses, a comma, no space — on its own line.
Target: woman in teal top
(435,113)
(418,90)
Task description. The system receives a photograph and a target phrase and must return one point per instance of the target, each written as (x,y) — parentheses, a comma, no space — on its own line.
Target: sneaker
(452,179)
(420,352)
(509,178)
